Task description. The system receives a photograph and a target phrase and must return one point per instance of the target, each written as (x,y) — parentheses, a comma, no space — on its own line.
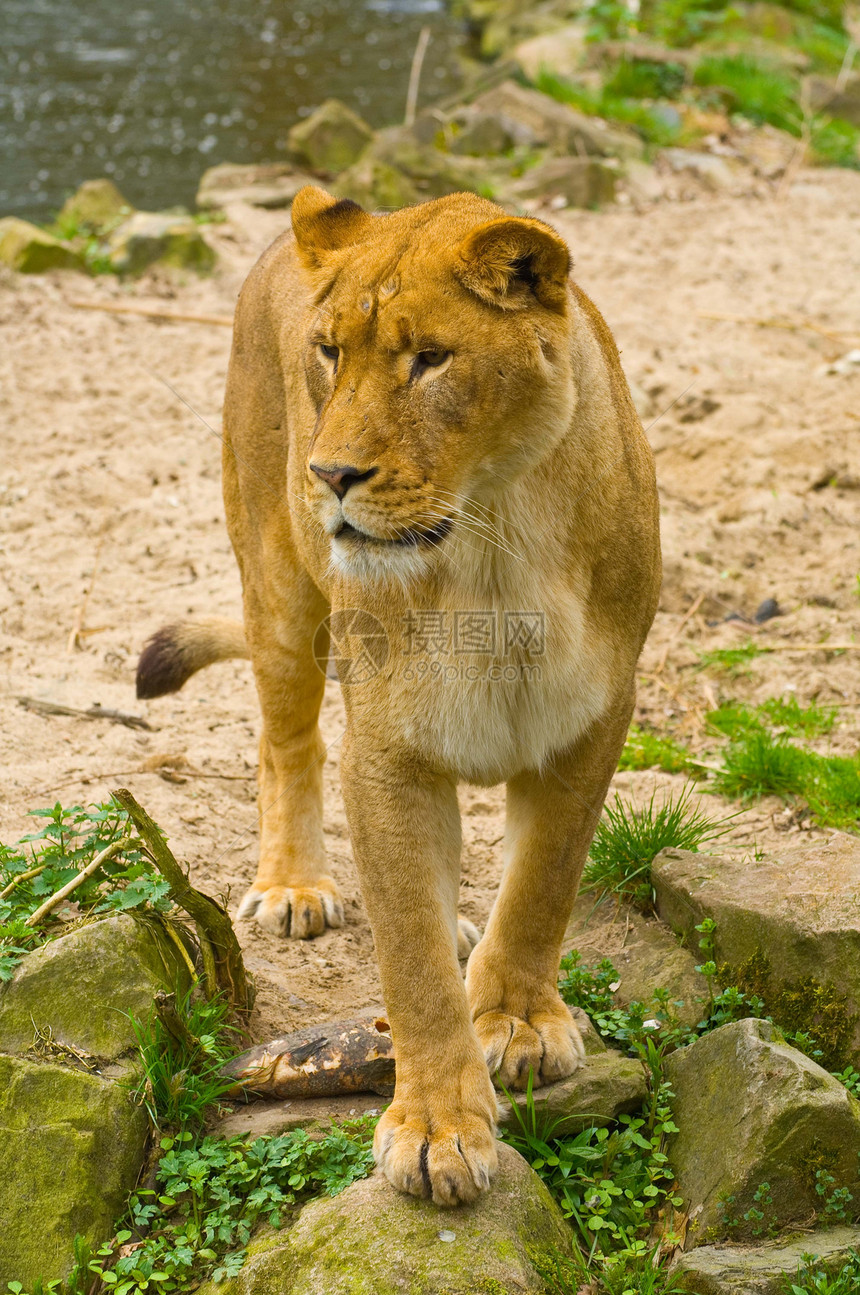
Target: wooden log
(319,1061)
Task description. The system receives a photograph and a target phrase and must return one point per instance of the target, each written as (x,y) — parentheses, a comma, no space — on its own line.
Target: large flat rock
(762,1270)
(799,910)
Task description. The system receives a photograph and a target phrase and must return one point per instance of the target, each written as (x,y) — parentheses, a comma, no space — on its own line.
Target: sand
(111,521)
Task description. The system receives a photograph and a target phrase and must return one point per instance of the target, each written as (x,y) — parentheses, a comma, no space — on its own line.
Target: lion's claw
(548,1045)
(298,912)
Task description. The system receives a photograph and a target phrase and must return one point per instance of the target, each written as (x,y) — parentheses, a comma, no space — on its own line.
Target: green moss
(813,1015)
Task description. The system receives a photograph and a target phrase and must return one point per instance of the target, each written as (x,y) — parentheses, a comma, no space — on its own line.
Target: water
(152,93)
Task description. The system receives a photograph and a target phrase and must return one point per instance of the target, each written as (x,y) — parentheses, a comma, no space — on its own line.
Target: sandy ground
(111,519)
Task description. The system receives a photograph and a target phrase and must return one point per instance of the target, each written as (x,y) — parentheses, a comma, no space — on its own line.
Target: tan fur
(514,472)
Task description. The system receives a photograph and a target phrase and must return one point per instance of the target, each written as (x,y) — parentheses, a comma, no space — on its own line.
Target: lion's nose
(341,478)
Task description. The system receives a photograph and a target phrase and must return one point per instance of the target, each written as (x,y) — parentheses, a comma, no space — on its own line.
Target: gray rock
(163,237)
(718,174)
(801,915)
(481,134)
(397,169)
(96,207)
(762,1270)
(71,1151)
(376,185)
(30,250)
(371,1240)
(330,139)
(567,182)
(608,1085)
(753,1111)
(271,185)
(84,987)
(559,127)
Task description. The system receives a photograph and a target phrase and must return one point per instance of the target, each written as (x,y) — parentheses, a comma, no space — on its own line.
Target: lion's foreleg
(437,1137)
(512,975)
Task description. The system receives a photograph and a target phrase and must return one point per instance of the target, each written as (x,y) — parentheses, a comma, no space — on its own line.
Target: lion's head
(437,358)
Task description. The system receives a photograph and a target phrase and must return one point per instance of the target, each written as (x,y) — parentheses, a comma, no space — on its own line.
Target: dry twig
(688,615)
(94,712)
(93,866)
(152,312)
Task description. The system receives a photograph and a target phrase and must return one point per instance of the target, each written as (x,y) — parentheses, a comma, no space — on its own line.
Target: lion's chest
(486,692)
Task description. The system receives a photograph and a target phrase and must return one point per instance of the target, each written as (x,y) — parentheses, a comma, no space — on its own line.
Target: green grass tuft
(179,1076)
(814,1277)
(646,121)
(757,89)
(627,840)
(782,713)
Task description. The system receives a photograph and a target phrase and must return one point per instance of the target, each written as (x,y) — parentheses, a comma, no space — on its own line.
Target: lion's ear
(512,260)
(323,224)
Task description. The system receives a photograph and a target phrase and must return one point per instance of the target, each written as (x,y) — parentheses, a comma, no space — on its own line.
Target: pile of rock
(97,230)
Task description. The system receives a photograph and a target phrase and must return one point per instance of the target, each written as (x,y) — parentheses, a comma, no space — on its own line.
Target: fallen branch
(93,712)
(319,1061)
(802,325)
(415,76)
(224,970)
(688,615)
(22,876)
(152,312)
(93,866)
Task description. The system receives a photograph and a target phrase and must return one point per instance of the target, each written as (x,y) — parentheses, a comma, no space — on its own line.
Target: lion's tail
(178,651)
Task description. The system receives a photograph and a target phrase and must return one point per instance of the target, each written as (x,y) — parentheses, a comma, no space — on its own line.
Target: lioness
(427,425)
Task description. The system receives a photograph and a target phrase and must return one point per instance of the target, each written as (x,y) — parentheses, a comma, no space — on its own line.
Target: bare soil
(111,522)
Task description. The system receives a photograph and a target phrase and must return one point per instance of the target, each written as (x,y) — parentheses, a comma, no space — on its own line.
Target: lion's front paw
(546,1043)
(295,911)
(429,1148)
(468,936)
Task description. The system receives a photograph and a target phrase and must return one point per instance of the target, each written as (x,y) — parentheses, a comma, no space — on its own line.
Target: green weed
(207,1200)
(44,861)
(637,79)
(815,1278)
(835,142)
(179,1073)
(731,661)
(613,1275)
(601,103)
(627,839)
(647,750)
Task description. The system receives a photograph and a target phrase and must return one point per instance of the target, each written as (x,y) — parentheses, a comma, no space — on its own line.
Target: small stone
(718,174)
(786,1116)
(96,207)
(31,250)
(446,1235)
(153,236)
(842,100)
(767,610)
(608,1085)
(71,1151)
(330,139)
(481,134)
(85,986)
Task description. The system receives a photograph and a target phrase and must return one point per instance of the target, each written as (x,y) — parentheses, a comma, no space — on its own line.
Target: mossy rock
(151,237)
(31,250)
(96,207)
(757,1120)
(567,181)
(374,184)
(371,1240)
(330,139)
(84,987)
(71,1149)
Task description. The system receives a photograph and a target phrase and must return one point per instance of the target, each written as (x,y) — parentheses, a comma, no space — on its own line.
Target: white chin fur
(371,562)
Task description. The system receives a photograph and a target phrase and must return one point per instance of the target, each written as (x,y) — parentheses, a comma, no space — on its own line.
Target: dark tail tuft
(165,664)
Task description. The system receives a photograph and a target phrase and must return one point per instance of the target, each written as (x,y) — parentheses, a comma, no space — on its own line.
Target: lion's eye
(432,359)
(330,352)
